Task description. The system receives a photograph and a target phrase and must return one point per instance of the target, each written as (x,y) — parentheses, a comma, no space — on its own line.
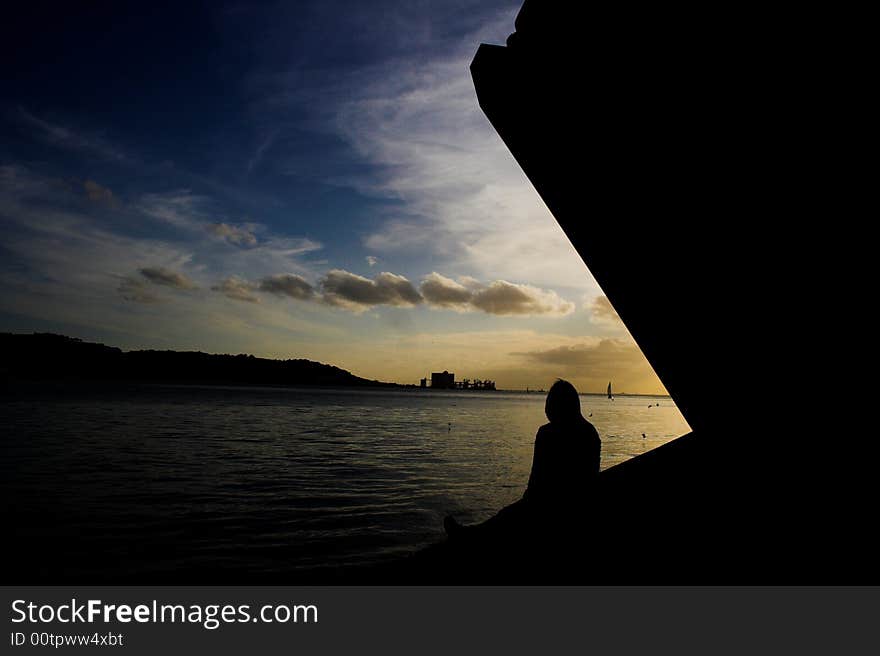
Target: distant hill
(47,356)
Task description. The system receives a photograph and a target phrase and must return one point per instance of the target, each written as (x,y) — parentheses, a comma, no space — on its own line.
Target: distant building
(445,380)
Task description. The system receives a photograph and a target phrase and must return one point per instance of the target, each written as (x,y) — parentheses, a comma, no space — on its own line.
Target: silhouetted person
(564,468)
(567,450)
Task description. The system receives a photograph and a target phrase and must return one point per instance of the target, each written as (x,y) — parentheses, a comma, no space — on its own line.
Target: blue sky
(301,179)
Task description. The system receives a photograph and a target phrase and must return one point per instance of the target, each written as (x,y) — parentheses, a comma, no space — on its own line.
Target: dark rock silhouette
(46,356)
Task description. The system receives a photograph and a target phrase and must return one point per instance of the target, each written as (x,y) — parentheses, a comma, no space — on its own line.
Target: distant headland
(47,356)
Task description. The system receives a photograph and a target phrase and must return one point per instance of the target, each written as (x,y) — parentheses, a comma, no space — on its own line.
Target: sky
(292,180)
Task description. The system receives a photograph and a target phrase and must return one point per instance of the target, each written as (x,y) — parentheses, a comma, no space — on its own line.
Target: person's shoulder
(590,430)
(544,431)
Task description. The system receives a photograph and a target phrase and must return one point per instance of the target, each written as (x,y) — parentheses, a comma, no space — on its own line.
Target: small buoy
(643,436)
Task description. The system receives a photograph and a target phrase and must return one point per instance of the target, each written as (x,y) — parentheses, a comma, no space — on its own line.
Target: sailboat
(609,391)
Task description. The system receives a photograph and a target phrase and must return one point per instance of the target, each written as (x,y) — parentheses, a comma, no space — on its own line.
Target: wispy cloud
(180,208)
(185,210)
(462,197)
(226,246)
(265,144)
(63,261)
(136,290)
(65,137)
(602,352)
(97,193)
(603,313)
(420,140)
(68,264)
(597,360)
(238,235)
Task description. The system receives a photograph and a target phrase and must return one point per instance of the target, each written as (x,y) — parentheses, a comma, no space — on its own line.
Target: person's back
(565,463)
(565,466)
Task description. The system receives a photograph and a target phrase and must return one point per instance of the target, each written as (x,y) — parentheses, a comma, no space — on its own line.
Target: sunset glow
(348,204)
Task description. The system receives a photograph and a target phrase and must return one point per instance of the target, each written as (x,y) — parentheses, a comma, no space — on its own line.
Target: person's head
(563,403)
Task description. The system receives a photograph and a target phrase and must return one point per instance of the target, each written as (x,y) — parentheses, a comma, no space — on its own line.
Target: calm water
(159,478)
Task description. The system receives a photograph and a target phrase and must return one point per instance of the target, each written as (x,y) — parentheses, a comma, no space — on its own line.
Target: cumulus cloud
(441,291)
(287,284)
(502,297)
(372,260)
(343,289)
(167,278)
(498,297)
(236,288)
(354,292)
(236,235)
